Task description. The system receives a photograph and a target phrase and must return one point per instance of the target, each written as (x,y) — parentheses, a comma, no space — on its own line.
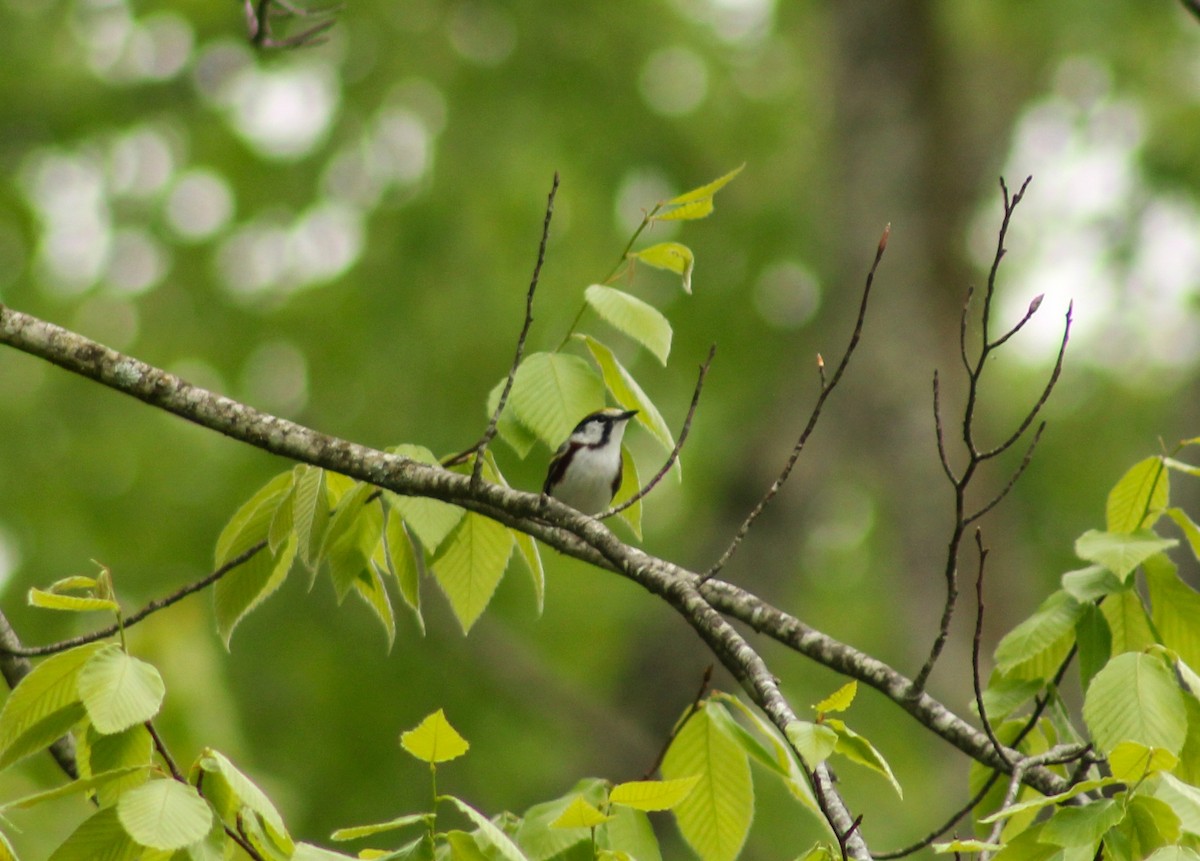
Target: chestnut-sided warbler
(585,472)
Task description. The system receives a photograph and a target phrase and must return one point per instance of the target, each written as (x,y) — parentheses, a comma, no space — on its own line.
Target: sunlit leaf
(119,690)
(248,585)
(626,391)
(431,520)
(519,438)
(652,794)
(164,814)
(857,748)
(552,392)
(636,318)
(814,742)
(1132,762)
(51,600)
(492,836)
(1136,698)
(840,699)
(434,740)
(1084,825)
(1138,499)
(235,796)
(631,483)
(470,565)
(1042,632)
(379,828)
(1174,609)
(368,585)
(672,256)
(1128,624)
(696,203)
(579,814)
(100,837)
(252,521)
(310,514)
(1120,553)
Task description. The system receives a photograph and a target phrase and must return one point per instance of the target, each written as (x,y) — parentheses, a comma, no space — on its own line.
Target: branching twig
(674,456)
(258,23)
(826,389)
(697,701)
(975,649)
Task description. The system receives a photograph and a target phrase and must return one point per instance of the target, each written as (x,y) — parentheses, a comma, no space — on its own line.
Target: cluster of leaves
(1134,625)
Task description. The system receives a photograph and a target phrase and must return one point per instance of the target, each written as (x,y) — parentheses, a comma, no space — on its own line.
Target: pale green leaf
(781,759)
(1131,762)
(1005,694)
(630,830)
(957,846)
(248,585)
(1175,610)
(396,555)
(379,828)
(431,520)
(1128,624)
(355,533)
(1043,801)
(1189,528)
(368,585)
(1042,632)
(434,740)
(1095,641)
(1138,499)
(309,852)
(48,600)
(252,522)
(631,483)
(632,316)
(704,192)
(1152,823)
(133,748)
(626,392)
(164,814)
(78,786)
(44,704)
(528,550)
(839,700)
(492,836)
(1120,553)
(1136,698)
(579,814)
(652,794)
(519,438)
(814,742)
(858,749)
(552,392)
(1082,826)
(119,690)
(1174,853)
(1183,797)
(310,514)
(282,521)
(540,841)
(1088,584)
(672,256)
(470,564)
(101,837)
(7,853)
(234,795)
(715,817)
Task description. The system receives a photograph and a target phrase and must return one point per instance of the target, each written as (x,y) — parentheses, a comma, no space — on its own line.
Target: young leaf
(100,837)
(118,690)
(58,596)
(500,842)
(1189,528)
(1088,584)
(519,438)
(79,786)
(368,585)
(579,814)
(629,394)
(1136,698)
(1138,499)
(652,794)
(164,814)
(630,831)
(431,520)
(379,828)
(857,749)
(696,203)
(470,565)
(552,392)
(715,817)
(1082,826)
(310,514)
(434,740)
(672,256)
(133,748)
(1095,642)
(1005,694)
(1042,632)
(252,521)
(631,483)
(528,550)
(1175,609)
(781,759)
(813,742)
(397,556)
(1132,763)
(629,314)
(839,700)
(248,585)
(1120,553)
(234,796)
(44,705)
(1128,625)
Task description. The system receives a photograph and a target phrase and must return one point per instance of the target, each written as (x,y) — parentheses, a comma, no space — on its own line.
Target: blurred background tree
(343,235)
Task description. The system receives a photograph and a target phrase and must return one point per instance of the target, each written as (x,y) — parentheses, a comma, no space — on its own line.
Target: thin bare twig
(150,608)
(260,13)
(477,450)
(975,649)
(826,390)
(1013,479)
(697,700)
(674,456)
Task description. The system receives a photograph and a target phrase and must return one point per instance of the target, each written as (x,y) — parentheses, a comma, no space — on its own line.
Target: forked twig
(674,456)
(480,447)
(826,389)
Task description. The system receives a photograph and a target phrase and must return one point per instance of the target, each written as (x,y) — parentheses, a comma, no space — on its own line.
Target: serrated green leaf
(1175,609)
(858,749)
(354,532)
(1082,826)
(1136,698)
(164,814)
(44,704)
(814,742)
(639,320)
(431,520)
(358,831)
(671,256)
(310,514)
(1121,552)
(76,787)
(519,438)
(1042,632)
(715,817)
(552,392)
(839,700)
(470,564)
(252,521)
(119,690)
(1128,624)
(528,550)
(1043,801)
(235,796)
(1138,499)
(48,600)
(579,814)
(368,585)
(100,837)
(652,794)
(492,836)
(434,740)
(626,392)
(397,556)
(248,585)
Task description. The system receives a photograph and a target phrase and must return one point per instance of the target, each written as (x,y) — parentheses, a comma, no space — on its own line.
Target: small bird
(585,472)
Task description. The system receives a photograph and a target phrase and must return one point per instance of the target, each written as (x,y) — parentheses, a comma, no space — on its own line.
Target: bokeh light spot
(674,81)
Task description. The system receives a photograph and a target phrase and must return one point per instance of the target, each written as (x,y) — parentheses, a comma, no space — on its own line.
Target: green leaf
(1182,797)
(626,392)
(1189,528)
(490,834)
(579,814)
(368,585)
(1043,801)
(652,794)
(635,318)
(164,814)
(379,828)
(1175,609)
(630,830)
(1120,553)
(1041,633)
(696,203)
(119,690)
(58,597)
(1095,642)
(434,740)
(44,705)
(354,532)
(1082,826)
(252,521)
(1174,853)
(133,748)
(780,760)
(235,796)
(470,564)
(957,846)
(309,852)
(78,786)
(1088,584)
(519,438)
(101,837)
(715,818)
(539,841)
(1137,500)
(1136,698)
(431,520)
(248,585)
(814,742)
(528,550)
(1005,694)
(1151,824)
(858,749)
(1131,762)
(310,514)
(839,700)
(672,256)
(552,392)
(1128,623)
(631,483)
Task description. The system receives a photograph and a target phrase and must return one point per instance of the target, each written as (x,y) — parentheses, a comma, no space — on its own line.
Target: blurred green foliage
(343,235)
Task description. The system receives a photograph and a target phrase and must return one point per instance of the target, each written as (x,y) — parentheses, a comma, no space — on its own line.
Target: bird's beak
(627,415)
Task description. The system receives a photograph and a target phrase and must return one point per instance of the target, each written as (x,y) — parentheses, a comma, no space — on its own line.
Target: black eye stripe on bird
(585,471)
